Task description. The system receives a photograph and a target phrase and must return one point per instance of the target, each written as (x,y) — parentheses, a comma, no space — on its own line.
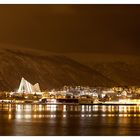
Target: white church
(28,88)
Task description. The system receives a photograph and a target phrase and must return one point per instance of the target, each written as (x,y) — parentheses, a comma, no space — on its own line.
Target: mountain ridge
(50,71)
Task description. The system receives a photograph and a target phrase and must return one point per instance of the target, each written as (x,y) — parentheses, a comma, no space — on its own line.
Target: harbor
(28,93)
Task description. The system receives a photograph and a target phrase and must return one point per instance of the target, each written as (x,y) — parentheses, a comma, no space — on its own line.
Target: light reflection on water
(29,112)
(52,111)
(69,119)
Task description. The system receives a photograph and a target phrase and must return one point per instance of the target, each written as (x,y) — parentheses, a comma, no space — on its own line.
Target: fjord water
(69,120)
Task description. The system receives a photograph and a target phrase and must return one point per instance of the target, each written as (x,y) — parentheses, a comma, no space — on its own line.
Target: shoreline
(116,104)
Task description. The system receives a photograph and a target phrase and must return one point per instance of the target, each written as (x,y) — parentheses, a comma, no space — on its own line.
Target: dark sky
(72,28)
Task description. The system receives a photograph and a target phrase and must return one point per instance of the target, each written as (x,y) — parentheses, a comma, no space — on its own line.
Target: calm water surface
(69,120)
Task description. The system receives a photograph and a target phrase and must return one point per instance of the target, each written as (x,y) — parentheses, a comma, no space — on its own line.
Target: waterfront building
(26,87)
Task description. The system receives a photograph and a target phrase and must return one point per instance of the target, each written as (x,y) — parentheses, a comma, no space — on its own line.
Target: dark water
(69,120)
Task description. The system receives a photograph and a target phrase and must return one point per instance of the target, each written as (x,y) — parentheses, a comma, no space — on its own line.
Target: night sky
(72,28)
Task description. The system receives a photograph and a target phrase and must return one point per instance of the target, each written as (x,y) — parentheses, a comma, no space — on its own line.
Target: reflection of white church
(26,87)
